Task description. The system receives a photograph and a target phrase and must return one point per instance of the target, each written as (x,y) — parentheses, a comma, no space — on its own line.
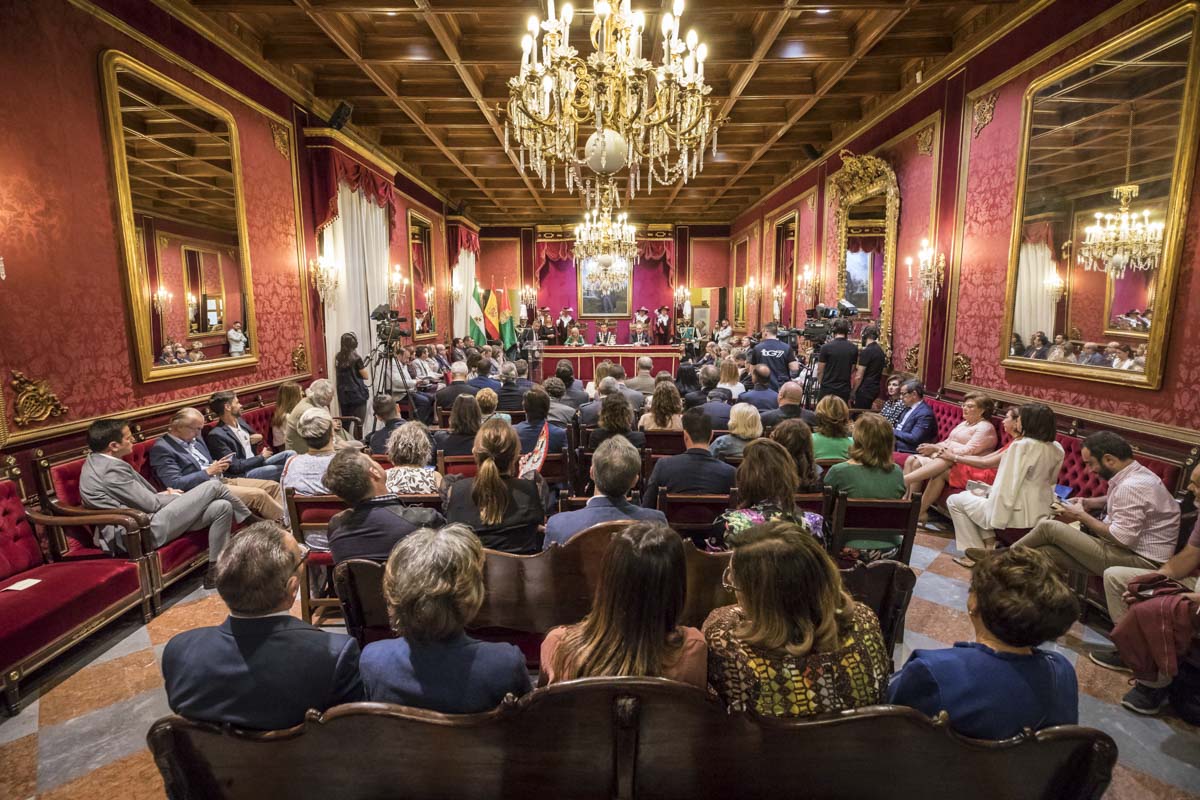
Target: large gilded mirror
(420,245)
(1107,155)
(178,179)
(741,267)
(867,220)
(785,268)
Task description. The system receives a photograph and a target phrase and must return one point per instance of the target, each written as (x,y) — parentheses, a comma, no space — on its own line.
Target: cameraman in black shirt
(778,356)
(869,372)
(836,362)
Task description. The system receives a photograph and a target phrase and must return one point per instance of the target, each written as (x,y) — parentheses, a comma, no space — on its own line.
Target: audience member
(973,436)
(561,413)
(537,409)
(1002,683)
(831,433)
(107,481)
(305,472)
(1092,356)
(387,415)
(523,374)
(869,371)
(763,396)
(407,387)
(600,372)
(511,395)
(615,419)
(288,396)
(244,672)
(457,385)
(181,460)
(616,466)
(869,473)
(708,377)
(766,482)
(744,427)
(796,438)
(791,406)
(233,437)
(237,340)
(779,357)
(1039,347)
(981,468)
(694,471)
(589,413)
(636,400)
(425,367)
(717,409)
(506,512)
(376,518)
(465,420)
(433,586)
(918,425)
(642,382)
(488,401)
(318,395)
(573,391)
(350,374)
(795,644)
(1022,492)
(893,405)
(730,378)
(483,379)
(666,409)
(687,382)
(835,362)
(633,628)
(410,449)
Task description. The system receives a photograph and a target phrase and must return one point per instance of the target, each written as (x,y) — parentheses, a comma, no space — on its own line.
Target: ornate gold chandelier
(600,234)
(655,120)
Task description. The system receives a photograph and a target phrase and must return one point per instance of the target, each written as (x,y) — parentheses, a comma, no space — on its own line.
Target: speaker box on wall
(811,151)
(341,115)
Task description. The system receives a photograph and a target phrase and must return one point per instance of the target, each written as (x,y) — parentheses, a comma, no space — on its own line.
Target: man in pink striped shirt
(1140,526)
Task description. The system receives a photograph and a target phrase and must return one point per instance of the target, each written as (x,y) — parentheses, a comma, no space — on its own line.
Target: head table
(584,359)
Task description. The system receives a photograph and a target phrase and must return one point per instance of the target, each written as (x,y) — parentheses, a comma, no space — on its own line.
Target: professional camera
(815,331)
(387,324)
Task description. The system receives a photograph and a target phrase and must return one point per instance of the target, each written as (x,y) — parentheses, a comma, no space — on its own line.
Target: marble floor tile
(1130,784)
(923,556)
(933,541)
(134,777)
(24,723)
(940,589)
(19,768)
(206,611)
(944,565)
(130,638)
(98,686)
(938,622)
(1146,744)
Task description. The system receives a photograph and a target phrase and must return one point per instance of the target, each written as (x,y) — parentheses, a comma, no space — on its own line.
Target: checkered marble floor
(81,733)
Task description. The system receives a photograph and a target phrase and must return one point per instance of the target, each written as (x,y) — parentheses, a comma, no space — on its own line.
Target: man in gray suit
(108,482)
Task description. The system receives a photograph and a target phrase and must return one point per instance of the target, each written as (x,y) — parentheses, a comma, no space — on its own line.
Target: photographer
(835,362)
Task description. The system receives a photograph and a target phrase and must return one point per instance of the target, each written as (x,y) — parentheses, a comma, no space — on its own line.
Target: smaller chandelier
(529,297)
(682,295)
(607,274)
(429,295)
(806,281)
(931,273)
(325,275)
(753,292)
(601,234)
(1055,287)
(1124,240)
(399,286)
(163,300)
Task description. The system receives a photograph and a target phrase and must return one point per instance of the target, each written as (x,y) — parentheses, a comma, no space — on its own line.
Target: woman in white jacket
(1023,490)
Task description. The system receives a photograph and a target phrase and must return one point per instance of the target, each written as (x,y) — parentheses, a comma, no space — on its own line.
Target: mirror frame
(137,281)
(782,221)
(1176,214)
(197,246)
(860,178)
(738,296)
(412,284)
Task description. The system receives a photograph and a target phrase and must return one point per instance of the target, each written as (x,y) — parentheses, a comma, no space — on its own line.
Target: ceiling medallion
(657,121)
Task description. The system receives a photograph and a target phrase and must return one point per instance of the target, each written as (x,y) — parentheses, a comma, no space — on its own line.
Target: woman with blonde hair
(506,512)
(488,400)
(730,378)
(600,373)
(831,434)
(433,586)
(633,628)
(289,395)
(666,408)
(409,449)
(796,644)
(745,426)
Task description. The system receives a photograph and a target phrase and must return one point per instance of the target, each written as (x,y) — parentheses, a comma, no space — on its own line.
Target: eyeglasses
(727,578)
(304,551)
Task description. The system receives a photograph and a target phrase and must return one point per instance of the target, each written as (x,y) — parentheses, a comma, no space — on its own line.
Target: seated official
(1022,490)
(506,512)
(766,482)
(287,397)
(791,406)
(465,420)
(638,334)
(796,644)
(616,465)
(615,419)
(831,432)
(730,378)
(561,413)
(575,338)
(457,385)
(107,481)
(633,628)
(869,473)
(537,407)
(377,518)
(744,427)
(318,395)
(488,402)
(604,336)
(483,373)
(306,472)
(1141,519)
(231,436)
(1002,683)
(796,438)
(407,387)
(761,396)
(433,586)
(574,393)
(644,381)
(181,460)
(975,435)
(717,409)
(387,413)
(262,668)
(410,450)
(918,426)
(893,403)
(694,471)
(666,409)
(511,395)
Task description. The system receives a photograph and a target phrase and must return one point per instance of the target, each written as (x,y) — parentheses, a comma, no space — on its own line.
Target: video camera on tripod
(387,325)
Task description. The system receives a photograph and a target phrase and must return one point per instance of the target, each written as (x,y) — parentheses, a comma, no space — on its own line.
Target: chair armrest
(62,509)
(133,539)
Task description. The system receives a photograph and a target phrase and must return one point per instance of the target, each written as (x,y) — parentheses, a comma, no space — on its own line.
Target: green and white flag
(475,313)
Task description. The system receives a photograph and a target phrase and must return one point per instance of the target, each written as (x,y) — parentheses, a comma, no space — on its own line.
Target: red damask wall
(499,264)
(709,264)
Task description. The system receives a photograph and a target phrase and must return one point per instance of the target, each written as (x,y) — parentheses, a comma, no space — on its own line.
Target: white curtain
(1034,307)
(464,279)
(357,241)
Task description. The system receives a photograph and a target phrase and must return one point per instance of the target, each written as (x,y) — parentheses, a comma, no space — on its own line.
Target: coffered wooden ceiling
(427,77)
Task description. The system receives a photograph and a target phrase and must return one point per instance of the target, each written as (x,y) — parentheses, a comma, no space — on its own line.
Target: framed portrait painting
(604,299)
(739,307)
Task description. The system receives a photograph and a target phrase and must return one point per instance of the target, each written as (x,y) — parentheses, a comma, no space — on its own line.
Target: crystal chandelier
(655,120)
(931,273)
(600,234)
(164,301)
(1055,288)
(325,275)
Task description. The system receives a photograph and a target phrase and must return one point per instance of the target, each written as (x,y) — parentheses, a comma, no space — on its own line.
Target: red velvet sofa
(79,589)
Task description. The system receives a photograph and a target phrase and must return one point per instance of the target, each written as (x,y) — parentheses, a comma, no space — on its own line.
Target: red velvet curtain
(870,244)
(332,168)
(466,239)
(1039,233)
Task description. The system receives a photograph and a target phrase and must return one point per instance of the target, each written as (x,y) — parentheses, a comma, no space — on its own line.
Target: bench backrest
(19,548)
(259,419)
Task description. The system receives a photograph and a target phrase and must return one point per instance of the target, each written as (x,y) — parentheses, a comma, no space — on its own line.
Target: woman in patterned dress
(766,481)
(409,449)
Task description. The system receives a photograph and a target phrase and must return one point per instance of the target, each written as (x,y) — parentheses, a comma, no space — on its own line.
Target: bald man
(791,406)
(181,460)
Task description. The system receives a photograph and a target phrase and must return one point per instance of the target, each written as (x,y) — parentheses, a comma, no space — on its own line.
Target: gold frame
(220,264)
(1109,291)
(611,316)
(137,285)
(783,219)
(862,177)
(738,324)
(1176,216)
(412,284)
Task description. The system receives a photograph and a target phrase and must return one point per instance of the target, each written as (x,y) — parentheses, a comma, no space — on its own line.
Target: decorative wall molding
(925,142)
(812,201)
(981,113)
(279,135)
(912,359)
(961,369)
(300,358)
(36,402)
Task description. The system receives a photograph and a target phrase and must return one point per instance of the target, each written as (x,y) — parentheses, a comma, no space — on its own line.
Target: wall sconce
(192,304)
(931,273)
(806,281)
(399,286)
(681,296)
(1055,287)
(455,292)
(778,294)
(163,300)
(325,275)
(753,292)
(429,296)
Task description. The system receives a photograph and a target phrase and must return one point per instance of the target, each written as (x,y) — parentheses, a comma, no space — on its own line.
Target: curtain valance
(332,168)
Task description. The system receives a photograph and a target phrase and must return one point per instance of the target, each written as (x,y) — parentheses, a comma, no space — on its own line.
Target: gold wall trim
(279,135)
(35,400)
(912,359)
(300,358)
(982,111)
(925,141)
(961,370)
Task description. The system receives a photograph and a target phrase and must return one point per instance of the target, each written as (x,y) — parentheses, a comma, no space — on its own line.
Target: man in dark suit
(523,374)
(482,379)
(589,413)
(918,426)
(762,396)
(616,465)
(511,394)
(376,519)
(561,413)
(389,419)
(231,436)
(261,668)
(791,399)
(182,461)
(709,377)
(635,398)
(537,408)
(458,385)
(695,471)
(717,409)
(573,391)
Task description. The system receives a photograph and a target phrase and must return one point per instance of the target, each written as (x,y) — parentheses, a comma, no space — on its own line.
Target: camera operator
(869,373)
(835,362)
(779,357)
(405,386)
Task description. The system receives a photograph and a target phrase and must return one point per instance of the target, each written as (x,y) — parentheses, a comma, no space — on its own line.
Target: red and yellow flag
(491,316)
